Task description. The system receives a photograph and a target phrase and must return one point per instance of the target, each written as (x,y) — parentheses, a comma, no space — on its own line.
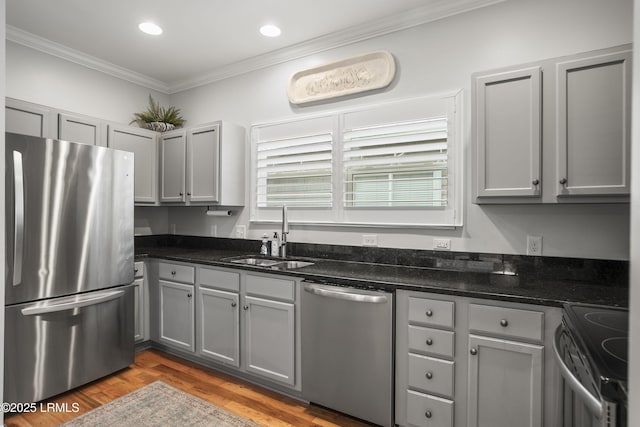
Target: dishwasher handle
(346,294)
(593,403)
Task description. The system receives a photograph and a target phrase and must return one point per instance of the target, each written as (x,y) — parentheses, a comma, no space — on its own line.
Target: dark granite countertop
(465,281)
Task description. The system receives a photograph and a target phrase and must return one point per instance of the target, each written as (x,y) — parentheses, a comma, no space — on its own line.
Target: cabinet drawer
(509,322)
(283,289)
(176,272)
(431,312)
(138,269)
(428,411)
(431,375)
(220,279)
(433,341)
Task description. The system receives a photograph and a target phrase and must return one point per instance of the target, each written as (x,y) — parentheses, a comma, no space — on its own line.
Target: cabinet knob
(535,182)
(246,307)
(429,313)
(189,295)
(563,181)
(181,193)
(429,375)
(504,323)
(135,270)
(173,273)
(233,304)
(473,351)
(188,194)
(429,341)
(427,414)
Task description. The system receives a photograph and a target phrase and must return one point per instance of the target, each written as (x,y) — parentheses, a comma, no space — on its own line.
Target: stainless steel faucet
(285,231)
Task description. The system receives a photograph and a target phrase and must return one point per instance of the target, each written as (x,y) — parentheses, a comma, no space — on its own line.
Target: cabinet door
(507,121)
(138,295)
(172,185)
(269,339)
(505,383)
(219,326)
(593,119)
(81,129)
(177,315)
(203,157)
(143,144)
(27,119)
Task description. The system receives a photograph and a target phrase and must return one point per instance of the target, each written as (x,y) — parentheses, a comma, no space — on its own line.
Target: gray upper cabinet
(553,131)
(213,172)
(172,166)
(143,144)
(508,133)
(593,118)
(28,119)
(81,129)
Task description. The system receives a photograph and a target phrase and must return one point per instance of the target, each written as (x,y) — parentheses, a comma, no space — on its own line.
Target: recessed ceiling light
(270,30)
(150,28)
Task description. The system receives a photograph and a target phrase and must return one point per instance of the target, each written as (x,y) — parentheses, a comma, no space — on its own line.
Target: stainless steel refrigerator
(69,245)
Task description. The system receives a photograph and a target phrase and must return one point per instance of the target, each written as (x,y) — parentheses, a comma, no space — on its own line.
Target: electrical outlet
(369,240)
(442,244)
(534,245)
(241,232)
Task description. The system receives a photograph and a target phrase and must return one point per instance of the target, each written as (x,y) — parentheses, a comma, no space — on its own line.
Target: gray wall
(432,58)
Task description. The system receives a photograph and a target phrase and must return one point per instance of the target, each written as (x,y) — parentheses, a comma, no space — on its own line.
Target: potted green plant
(158,118)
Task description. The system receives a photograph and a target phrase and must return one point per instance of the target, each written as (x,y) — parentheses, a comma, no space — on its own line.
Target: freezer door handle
(350,295)
(81,301)
(18,213)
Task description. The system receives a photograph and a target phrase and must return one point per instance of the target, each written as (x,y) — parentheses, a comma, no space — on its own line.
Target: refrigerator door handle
(82,301)
(18,228)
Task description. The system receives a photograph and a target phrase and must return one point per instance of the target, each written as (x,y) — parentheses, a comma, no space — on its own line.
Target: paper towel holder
(216,212)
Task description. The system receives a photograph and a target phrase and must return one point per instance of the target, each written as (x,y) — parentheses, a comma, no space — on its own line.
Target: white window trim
(335,216)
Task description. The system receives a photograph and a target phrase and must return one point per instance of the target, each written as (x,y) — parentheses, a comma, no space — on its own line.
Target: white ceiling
(206,40)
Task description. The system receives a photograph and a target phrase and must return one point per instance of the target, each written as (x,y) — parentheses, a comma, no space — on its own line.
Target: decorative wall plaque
(357,74)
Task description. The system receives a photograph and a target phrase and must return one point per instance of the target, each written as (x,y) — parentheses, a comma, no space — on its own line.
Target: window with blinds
(399,164)
(295,171)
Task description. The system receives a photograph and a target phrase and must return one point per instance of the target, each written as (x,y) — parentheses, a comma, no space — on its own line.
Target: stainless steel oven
(591,349)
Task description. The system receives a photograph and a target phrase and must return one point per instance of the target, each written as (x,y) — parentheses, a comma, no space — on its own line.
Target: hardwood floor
(242,398)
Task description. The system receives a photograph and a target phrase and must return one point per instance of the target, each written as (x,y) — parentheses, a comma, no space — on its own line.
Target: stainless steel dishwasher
(347,350)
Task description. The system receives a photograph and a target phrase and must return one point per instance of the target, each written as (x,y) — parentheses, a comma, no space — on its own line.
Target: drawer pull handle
(473,351)
(429,375)
(504,323)
(233,304)
(427,414)
(429,341)
(429,313)
(173,273)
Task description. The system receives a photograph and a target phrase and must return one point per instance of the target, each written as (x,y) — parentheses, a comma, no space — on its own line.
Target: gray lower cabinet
(143,143)
(467,362)
(176,314)
(505,383)
(270,338)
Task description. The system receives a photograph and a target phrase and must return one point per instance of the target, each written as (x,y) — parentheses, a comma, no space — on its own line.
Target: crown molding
(41,44)
(435,10)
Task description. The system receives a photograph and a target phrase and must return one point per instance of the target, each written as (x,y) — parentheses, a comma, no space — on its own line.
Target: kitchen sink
(272,263)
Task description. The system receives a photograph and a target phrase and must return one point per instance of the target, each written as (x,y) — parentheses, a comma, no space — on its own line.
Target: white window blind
(295,171)
(397,164)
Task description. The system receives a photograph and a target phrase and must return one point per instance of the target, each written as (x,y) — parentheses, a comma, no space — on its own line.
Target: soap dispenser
(275,245)
(264,249)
